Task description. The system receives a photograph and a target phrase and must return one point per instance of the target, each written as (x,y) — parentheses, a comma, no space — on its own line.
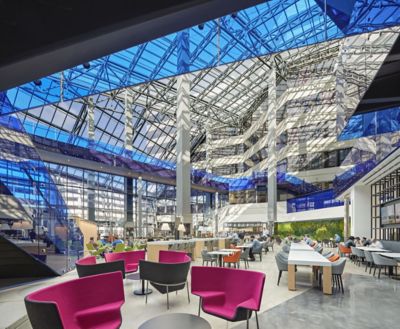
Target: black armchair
(165,277)
(85,267)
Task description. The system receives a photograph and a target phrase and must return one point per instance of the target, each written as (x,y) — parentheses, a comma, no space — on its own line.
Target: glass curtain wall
(101,198)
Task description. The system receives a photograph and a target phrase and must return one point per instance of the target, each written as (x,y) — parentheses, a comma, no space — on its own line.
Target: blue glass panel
(318,200)
(270,27)
(373,123)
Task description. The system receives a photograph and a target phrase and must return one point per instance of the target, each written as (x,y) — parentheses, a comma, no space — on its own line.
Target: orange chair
(233,259)
(334,258)
(343,250)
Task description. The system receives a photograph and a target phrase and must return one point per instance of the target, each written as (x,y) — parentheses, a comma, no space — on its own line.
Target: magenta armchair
(131,259)
(85,303)
(230,294)
(171,256)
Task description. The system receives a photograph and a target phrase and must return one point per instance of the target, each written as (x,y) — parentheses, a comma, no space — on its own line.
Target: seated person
(337,238)
(357,241)
(350,242)
(93,243)
(116,241)
(254,244)
(365,242)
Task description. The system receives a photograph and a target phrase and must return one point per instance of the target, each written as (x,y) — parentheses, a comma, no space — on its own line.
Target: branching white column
(128,121)
(139,207)
(183,183)
(272,156)
(91,176)
(346,220)
(341,98)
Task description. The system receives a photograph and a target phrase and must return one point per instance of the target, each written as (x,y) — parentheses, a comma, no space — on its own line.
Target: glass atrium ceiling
(264,29)
(221,97)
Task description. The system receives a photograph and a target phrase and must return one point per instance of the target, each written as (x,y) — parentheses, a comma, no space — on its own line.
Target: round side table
(176,321)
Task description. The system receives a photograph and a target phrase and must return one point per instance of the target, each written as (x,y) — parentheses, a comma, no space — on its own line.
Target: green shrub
(319,229)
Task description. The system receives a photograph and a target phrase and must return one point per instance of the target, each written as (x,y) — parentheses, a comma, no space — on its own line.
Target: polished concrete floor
(367,302)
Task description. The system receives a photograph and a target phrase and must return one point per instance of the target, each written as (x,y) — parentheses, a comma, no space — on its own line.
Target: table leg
(143,291)
(291,277)
(327,284)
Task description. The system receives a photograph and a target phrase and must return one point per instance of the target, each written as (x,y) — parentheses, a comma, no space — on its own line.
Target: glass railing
(46,229)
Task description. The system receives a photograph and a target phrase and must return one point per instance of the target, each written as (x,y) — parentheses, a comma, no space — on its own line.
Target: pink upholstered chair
(171,256)
(85,303)
(231,294)
(131,259)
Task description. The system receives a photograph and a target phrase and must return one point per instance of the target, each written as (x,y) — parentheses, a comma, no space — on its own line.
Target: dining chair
(381,262)
(244,256)
(369,261)
(281,259)
(233,259)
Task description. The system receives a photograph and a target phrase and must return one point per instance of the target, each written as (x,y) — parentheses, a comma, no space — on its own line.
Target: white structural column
(91,176)
(346,220)
(360,197)
(216,213)
(128,121)
(139,207)
(341,98)
(272,156)
(183,150)
(183,182)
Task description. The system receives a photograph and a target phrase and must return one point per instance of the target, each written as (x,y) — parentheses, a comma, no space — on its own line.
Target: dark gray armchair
(165,277)
(86,269)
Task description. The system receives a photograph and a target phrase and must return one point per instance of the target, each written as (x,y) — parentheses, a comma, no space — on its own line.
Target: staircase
(18,266)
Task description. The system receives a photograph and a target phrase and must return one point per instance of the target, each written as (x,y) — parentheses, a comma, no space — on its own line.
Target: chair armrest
(207,295)
(250,304)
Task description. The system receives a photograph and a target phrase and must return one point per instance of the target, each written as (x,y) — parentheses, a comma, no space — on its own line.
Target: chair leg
(341,283)
(187,289)
(279,277)
(199,306)
(147,289)
(370,268)
(379,273)
(258,327)
(167,299)
(374,269)
(247,320)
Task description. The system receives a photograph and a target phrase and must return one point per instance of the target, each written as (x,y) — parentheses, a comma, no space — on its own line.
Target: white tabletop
(223,253)
(372,249)
(245,246)
(229,250)
(301,257)
(301,247)
(395,255)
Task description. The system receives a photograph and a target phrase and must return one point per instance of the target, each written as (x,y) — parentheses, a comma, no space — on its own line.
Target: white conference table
(372,249)
(308,258)
(300,247)
(244,246)
(393,255)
